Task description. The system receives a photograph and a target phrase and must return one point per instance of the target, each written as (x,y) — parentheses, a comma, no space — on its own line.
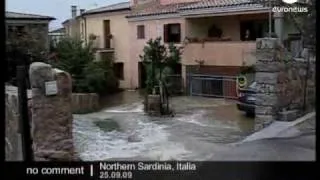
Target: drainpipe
(278,24)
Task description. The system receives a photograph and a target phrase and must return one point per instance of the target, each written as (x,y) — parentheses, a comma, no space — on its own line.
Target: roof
(15,15)
(155,8)
(109,8)
(216,3)
(59,30)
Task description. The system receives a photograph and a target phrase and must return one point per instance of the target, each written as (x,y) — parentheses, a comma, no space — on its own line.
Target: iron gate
(213,86)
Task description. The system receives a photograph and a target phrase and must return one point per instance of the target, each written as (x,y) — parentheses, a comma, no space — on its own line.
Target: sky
(59,9)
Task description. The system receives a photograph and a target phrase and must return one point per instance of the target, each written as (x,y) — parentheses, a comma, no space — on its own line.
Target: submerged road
(202,129)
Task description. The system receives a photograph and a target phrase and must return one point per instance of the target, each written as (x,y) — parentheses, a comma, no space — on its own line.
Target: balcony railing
(220,53)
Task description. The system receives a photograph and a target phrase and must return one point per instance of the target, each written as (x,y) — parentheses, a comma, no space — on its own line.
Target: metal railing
(213,86)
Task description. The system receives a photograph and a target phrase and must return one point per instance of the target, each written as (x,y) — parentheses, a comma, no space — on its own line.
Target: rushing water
(200,127)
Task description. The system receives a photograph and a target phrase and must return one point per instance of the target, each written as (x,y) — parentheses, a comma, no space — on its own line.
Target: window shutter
(138,32)
(165,32)
(179,32)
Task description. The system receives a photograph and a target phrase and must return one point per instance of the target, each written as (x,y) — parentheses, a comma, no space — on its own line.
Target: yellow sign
(242,81)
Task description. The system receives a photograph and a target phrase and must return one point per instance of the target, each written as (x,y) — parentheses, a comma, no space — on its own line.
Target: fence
(213,86)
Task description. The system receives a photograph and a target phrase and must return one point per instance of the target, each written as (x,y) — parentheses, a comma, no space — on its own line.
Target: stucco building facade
(218,35)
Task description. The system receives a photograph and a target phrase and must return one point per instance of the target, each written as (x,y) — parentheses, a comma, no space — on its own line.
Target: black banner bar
(162,170)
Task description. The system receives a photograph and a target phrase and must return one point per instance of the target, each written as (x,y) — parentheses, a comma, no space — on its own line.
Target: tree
(21,47)
(159,61)
(88,76)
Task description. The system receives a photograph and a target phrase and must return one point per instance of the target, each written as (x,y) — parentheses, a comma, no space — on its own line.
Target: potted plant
(92,37)
(109,36)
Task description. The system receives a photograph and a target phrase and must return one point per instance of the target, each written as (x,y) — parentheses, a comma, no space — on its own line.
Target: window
(172,33)
(140,32)
(250,30)
(118,70)
(82,30)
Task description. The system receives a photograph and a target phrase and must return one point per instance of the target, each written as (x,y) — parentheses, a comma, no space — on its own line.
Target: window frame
(141,34)
(167,34)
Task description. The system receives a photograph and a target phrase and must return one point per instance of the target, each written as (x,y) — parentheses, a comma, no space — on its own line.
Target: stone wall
(51,115)
(84,103)
(281,83)
(36,32)
(12,136)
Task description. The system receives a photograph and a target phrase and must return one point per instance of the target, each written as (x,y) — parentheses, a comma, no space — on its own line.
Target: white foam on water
(131,108)
(198,118)
(93,144)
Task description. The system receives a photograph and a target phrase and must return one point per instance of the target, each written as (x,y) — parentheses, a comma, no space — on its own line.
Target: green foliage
(88,76)
(159,61)
(21,46)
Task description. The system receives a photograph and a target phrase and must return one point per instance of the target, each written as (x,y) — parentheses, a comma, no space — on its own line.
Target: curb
(278,128)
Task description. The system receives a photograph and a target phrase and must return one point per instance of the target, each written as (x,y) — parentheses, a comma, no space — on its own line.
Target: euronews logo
(295,9)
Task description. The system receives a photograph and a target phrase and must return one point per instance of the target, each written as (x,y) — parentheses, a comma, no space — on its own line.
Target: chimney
(82,11)
(73,11)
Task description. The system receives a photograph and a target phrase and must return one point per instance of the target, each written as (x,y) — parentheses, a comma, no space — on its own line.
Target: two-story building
(218,36)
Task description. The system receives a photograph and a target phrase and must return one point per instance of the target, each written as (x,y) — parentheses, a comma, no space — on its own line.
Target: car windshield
(253,85)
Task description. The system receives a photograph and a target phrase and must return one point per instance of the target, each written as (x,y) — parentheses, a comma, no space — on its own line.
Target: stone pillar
(51,115)
(278,24)
(268,67)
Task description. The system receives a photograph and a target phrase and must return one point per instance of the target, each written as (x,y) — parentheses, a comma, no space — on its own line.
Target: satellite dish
(290,1)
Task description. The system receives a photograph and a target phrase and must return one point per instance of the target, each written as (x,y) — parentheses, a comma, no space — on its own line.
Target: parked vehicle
(246,100)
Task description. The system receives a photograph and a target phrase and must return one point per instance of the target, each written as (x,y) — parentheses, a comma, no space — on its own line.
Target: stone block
(40,73)
(266,99)
(266,88)
(264,110)
(267,43)
(262,121)
(288,115)
(269,66)
(266,77)
(51,115)
(268,55)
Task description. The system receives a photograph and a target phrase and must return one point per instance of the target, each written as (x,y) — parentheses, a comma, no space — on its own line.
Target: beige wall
(153,29)
(120,41)
(72,27)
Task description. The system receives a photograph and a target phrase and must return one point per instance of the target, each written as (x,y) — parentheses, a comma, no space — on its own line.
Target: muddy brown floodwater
(200,128)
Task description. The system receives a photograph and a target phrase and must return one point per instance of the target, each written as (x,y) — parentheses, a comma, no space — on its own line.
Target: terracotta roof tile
(112,7)
(155,8)
(220,3)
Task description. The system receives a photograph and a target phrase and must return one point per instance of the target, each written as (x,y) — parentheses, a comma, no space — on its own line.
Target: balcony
(220,53)
(102,44)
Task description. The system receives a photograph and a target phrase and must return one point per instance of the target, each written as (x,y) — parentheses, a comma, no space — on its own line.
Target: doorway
(142,76)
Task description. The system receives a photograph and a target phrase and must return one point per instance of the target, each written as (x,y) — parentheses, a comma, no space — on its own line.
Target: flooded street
(121,131)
